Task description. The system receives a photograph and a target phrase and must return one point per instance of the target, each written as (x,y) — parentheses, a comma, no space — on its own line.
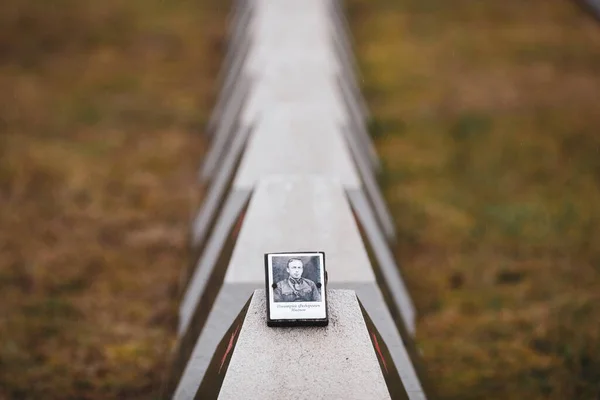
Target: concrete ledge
(301,212)
(333,362)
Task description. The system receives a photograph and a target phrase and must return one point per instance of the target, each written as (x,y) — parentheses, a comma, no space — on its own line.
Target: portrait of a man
(295,287)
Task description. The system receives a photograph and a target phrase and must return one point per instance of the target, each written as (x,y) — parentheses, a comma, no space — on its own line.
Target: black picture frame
(270,286)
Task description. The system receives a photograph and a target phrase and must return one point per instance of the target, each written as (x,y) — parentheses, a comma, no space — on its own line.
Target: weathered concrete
(293,7)
(303,213)
(299,213)
(284,83)
(319,215)
(229,302)
(356,120)
(217,191)
(333,362)
(278,87)
(307,163)
(292,140)
(237,49)
(230,120)
(233,206)
(370,296)
(231,78)
(282,46)
(385,259)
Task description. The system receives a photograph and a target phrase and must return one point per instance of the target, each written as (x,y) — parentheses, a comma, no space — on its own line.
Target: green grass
(486,116)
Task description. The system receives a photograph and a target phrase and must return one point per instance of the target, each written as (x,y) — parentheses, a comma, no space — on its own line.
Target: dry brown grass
(487,116)
(101,109)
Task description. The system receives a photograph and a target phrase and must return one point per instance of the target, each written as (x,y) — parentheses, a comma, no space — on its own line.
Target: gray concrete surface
(333,362)
(385,259)
(372,300)
(297,140)
(308,162)
(226,128)
(282,41)
(218,190)
(228,304)
(299,213)
(197,285)
(302,213)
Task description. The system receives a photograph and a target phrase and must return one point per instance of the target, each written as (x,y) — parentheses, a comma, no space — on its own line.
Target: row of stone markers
(291,168)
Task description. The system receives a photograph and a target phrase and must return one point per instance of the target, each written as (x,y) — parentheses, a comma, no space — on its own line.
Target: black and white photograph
(297,278)
(295,283)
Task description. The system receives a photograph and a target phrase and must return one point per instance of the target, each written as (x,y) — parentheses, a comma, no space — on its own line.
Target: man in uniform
(295,287)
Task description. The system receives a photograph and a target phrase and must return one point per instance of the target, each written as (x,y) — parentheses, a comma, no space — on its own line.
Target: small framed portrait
(295,287)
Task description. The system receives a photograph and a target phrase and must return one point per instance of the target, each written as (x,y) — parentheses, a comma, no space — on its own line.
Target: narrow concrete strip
(333,362)
(385,259)
(204,269)
(217,189)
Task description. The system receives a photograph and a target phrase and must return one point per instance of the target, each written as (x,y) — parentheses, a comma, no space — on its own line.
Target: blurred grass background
(486,115)
(102,104)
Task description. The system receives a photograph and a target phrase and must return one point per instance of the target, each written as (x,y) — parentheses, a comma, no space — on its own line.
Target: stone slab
(228,304)
(233,296)
(333,362)
(291,88)
(226,128)
(297,140)
(385,259)
(218,189)
(197,285)
(372,300)
(299,213)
